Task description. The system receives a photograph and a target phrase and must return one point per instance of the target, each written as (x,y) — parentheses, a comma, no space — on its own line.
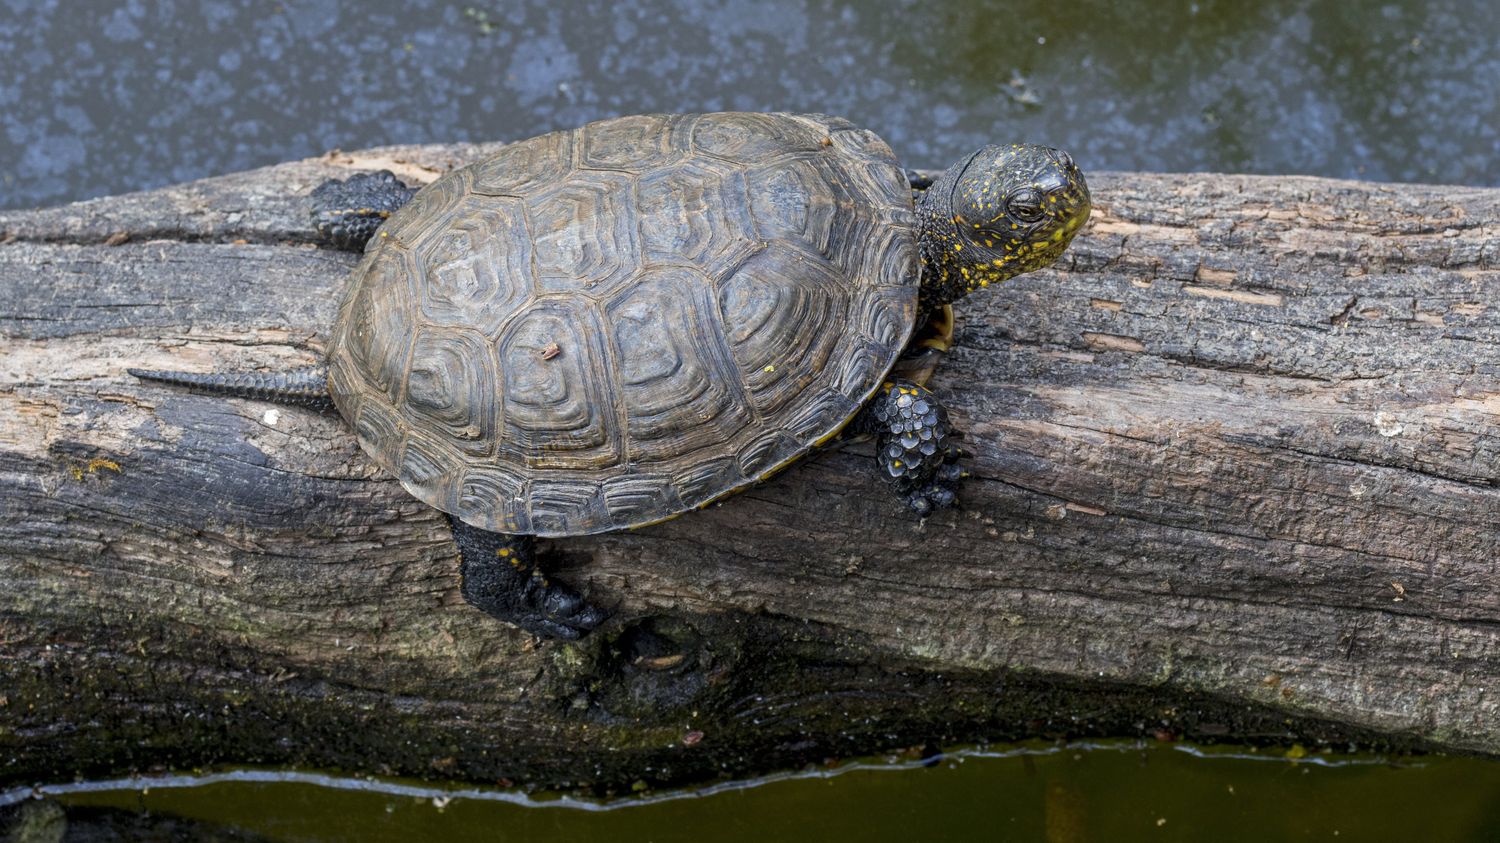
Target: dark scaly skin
(499,576)
(915,446)
(347,213)
(306,387)
(1002,211)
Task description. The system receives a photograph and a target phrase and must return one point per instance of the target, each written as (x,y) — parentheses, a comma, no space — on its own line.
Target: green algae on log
(1234,477)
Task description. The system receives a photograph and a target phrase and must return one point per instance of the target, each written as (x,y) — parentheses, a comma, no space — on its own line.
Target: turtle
(602,328)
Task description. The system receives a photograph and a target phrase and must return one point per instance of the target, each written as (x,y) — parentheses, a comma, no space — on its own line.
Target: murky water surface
(1115,792)
(101,97)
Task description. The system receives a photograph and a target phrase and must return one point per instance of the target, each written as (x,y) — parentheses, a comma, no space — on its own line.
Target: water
(1117,792)
(106,97)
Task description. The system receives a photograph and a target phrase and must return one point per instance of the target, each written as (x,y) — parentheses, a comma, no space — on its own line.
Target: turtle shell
(601,328)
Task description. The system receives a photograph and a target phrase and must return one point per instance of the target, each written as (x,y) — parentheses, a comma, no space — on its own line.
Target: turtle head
(1000,212)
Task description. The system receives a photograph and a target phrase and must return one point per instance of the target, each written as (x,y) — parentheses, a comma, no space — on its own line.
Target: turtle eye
(1025,206)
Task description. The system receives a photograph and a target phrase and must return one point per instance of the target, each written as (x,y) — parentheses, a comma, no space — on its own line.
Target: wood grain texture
(1235,475)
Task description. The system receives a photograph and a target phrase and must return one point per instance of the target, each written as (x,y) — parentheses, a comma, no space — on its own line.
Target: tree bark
(1234,477)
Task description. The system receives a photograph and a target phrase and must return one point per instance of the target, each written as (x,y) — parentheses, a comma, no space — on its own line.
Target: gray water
(100,98)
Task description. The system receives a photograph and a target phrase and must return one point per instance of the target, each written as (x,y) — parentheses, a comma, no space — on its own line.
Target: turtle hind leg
(915,448)
(500,577)
(306,387)
(347,213)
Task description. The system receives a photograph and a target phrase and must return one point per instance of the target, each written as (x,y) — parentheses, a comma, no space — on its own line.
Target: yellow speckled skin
(1003,211)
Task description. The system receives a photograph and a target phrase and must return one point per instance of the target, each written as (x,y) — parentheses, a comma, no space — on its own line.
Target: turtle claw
(939,493)
(553,610)
(939,490)
(500,577)
(916,448)
(950,472)
(347,213)
(560,629)
(534,603)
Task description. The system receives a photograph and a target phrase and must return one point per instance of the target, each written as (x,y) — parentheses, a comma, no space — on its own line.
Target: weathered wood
(1235,474)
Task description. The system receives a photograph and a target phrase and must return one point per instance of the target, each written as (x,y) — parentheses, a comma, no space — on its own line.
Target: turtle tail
(306,387)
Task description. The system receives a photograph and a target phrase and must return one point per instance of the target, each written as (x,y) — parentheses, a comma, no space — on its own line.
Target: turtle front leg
(499,576)
(346,213)
(919,184)
(915,447)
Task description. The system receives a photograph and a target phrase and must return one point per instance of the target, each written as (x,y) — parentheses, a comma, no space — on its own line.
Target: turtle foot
(916,449)
(552,610)
(347,213)
(941,492)
(500,577)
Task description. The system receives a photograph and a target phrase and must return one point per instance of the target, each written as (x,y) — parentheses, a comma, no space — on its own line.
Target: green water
(1116,792)
(106,97)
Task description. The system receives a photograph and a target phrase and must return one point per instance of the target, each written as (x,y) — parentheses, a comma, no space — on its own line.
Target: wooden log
(1235,471)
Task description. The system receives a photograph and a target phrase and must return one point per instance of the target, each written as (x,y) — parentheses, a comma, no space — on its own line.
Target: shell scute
(452,389)
(693,214)
(524,166)
(380,322)
(558,413)
(640,498)
(567,506)
(677,387)
(778,310)
(478,269)
(583,235)
(630,144)
(747,138)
